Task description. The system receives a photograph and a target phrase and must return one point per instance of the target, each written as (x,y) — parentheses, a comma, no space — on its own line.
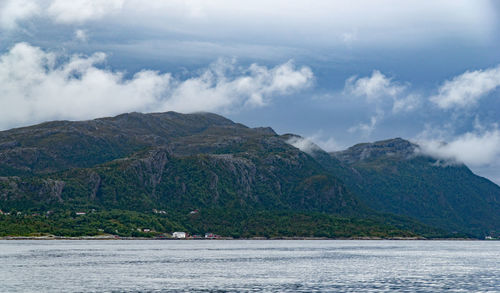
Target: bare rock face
(45,190)
(393,147)
(62,145)
(243,170)
(95,183)
(53,188)
(10,187)
(149,169)
(266,130)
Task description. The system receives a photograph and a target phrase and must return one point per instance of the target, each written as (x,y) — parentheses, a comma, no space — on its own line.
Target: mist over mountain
(395,176)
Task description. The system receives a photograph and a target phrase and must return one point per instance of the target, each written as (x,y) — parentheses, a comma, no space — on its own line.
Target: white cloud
(37,86)
(348,38)
(406,104)
(34,89)
(367,128)
(466,89)
(81,35)
(217,89)
(379,88)
(388,22)
(328,144)
(374,87)
(363,23)
(472,148)
(317,141)
(79,11)
(303,144)
(13,11)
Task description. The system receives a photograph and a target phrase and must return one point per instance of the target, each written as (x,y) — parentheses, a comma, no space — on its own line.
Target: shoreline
(118,238)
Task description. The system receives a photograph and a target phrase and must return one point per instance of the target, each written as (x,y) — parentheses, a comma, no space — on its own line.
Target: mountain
(393,176)
(169,151)
(204,173)
(197,172)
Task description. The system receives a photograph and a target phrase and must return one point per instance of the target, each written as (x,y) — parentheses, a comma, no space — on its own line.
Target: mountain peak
(390,147)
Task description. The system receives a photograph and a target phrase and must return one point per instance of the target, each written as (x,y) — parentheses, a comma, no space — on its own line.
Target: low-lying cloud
(466,89)
(303,144)
(471,148)
(316,142)
(36,86)
(223,86)
(366,128)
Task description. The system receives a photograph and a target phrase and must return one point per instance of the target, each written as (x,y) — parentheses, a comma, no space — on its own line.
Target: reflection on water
(249,266)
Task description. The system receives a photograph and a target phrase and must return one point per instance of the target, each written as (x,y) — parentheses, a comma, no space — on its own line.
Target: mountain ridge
(395,176)
(176,162)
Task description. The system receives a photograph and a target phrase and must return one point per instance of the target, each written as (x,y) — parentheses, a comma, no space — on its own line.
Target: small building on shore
(211,236)
(179,235)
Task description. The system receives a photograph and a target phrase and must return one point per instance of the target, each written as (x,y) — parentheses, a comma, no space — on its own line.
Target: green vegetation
(242,182)
(67,223)
(230,224)
(391,179)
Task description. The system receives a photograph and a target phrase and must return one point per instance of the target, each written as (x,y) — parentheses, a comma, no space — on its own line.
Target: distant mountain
(60,145)
(201,159)
(393,176)
(204,173)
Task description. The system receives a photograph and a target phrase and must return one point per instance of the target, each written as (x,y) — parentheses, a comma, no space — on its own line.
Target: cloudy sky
(336,72)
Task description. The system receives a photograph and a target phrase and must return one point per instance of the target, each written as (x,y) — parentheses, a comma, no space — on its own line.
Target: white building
(179,235)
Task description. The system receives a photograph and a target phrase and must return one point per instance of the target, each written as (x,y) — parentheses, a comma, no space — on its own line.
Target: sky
(335,72)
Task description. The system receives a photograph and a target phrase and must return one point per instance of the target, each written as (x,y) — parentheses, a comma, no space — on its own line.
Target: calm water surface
(249,266)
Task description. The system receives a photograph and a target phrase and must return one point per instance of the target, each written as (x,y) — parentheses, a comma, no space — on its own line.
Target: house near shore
(179,235)
(211,236)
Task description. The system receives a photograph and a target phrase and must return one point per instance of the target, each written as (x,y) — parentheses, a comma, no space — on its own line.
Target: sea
(249,266)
